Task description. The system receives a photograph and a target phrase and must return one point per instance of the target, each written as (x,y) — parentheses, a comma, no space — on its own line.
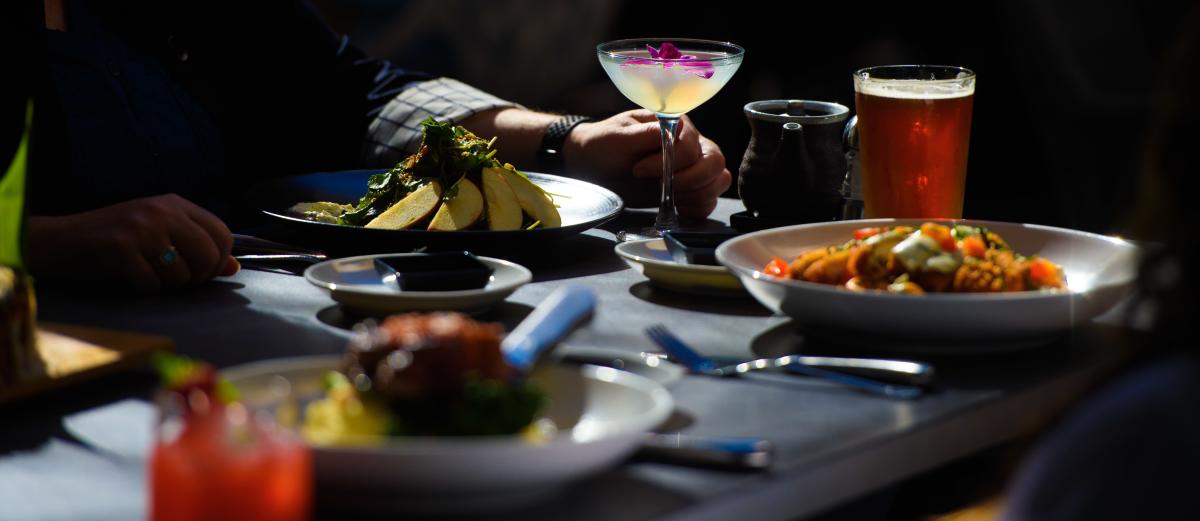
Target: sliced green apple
(503,208)
(461,210)
(533,199)
(412,209)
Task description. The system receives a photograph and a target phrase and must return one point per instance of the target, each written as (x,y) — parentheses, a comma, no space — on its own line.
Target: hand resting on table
(144,245)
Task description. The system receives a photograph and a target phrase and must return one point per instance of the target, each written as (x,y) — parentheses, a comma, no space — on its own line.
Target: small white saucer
(354,283)
(651,258)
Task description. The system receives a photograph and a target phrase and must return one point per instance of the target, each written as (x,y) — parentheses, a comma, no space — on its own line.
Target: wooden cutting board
(77,353)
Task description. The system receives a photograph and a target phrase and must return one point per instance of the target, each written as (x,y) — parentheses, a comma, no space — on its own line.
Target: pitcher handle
(852,205)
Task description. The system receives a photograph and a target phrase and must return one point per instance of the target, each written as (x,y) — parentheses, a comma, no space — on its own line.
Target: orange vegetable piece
(1044,273)
(863,233)
(778,267)
(973,246)
(940,234)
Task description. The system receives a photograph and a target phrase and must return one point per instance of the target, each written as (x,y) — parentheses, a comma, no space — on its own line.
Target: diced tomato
(940,234)
(973,246)
(778,267)
(1044,274)
(863,233)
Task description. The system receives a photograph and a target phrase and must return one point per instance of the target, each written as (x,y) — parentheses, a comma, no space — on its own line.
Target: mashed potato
(343,418)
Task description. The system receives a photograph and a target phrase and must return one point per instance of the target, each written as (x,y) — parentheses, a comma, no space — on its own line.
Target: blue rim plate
(583,206)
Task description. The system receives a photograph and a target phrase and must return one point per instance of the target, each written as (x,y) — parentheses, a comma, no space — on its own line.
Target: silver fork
(892,371)
(700,364)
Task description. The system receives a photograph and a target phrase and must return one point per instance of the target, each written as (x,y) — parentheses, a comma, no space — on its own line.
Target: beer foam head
(915,89)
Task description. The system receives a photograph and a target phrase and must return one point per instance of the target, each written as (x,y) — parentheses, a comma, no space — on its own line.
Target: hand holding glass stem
(670,82)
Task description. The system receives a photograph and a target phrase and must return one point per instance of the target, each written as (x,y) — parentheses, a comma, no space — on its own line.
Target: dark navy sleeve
(1132,451)
(204,98)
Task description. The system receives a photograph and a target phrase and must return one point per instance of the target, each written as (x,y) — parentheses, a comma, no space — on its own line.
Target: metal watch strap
(549,155)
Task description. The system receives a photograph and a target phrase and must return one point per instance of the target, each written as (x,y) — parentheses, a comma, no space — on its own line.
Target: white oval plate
(354,283)
(601,414)
(1100,271)
(651,258)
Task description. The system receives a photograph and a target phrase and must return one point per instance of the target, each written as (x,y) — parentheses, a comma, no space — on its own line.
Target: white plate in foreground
(651,258)
(354,283)
(601,414)
(1100,271)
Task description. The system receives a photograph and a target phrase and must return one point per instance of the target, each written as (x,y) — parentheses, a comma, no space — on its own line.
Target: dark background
(1062,100)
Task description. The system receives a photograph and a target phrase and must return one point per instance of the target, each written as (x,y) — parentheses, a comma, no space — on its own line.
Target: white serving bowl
(1100,271)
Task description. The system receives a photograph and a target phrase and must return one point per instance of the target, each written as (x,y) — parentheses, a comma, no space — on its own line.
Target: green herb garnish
(484,408)
(184,375)
(447,153)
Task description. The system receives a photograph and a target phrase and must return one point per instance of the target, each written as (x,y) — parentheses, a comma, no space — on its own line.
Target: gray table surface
(71,456)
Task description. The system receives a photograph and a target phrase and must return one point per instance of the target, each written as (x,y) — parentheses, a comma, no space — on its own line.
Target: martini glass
(668,77)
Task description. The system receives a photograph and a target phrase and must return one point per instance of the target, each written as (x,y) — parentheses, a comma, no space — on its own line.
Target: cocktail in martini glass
(668,77)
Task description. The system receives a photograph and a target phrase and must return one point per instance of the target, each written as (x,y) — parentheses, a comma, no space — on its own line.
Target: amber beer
(914,128)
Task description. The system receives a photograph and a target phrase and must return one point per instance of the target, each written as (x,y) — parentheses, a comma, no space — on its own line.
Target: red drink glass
(221,462)
(914,129)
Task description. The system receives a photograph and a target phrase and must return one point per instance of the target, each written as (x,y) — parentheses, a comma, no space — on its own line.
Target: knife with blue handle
(714,451)
(549,322)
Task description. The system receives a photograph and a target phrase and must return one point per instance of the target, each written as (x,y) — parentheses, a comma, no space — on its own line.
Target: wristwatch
(549,155)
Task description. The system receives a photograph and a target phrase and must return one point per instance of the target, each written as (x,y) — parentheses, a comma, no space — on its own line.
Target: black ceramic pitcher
(795,165)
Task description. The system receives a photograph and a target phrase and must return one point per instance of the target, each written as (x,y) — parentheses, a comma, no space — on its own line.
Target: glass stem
(667,218)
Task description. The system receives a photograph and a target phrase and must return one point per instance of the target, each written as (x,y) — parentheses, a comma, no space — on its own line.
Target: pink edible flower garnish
(669,56)
(667,51)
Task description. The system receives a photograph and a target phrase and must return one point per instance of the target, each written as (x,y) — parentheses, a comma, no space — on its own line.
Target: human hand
(624,153)
(127,245)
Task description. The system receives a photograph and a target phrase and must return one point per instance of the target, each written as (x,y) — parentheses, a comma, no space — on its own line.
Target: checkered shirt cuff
(396,132)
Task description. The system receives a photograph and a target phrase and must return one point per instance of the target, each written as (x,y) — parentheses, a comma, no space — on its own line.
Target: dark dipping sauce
(447,271)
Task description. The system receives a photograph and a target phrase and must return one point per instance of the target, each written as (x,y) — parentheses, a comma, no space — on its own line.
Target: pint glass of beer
(914,126)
